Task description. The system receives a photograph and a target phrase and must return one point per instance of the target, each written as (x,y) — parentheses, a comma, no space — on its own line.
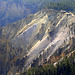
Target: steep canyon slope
(38,37)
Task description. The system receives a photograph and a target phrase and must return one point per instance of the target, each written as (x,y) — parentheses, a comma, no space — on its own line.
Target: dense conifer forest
(61,5)
(65,67)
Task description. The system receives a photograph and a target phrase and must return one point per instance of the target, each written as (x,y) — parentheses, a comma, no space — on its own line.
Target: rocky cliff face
(39,36)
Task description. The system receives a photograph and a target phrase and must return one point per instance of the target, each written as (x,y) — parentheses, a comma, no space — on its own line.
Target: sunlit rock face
(40,35)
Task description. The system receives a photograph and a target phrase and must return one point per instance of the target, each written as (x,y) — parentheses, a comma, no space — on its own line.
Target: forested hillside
(67,5)
(65,67)
(14,10)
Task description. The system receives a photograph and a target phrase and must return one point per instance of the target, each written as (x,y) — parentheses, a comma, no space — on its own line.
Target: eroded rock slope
(40,35)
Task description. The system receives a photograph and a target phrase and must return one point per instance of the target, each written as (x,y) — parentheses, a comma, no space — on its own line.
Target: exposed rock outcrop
(40,37)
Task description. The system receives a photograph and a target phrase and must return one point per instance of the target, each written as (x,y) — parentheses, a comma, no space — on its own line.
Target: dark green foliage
(61,5)
(65,67)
